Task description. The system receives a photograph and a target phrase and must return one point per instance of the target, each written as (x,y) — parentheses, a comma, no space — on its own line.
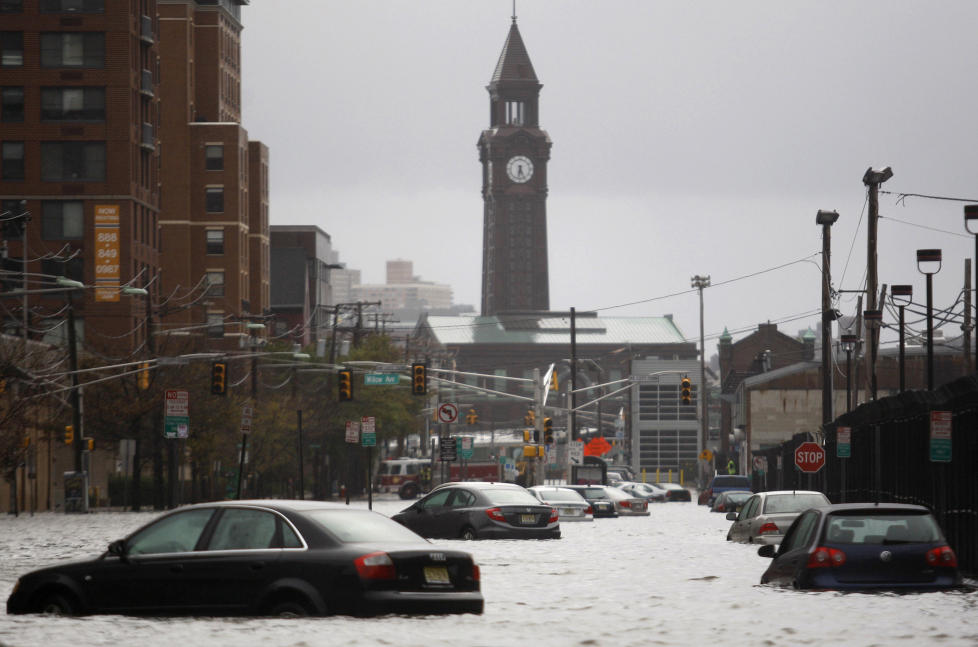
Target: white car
(767,515)
(570,505)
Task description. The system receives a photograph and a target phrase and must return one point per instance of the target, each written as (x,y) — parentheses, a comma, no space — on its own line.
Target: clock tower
(514,152)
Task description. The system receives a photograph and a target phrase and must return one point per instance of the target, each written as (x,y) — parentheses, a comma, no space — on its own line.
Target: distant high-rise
(514,152)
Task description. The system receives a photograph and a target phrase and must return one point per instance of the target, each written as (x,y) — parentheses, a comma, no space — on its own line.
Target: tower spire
(514,12)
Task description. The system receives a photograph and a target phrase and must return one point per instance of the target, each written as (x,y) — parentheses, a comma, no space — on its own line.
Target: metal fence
(890,461)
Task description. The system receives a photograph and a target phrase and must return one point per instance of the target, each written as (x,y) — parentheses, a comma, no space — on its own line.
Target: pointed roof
(514,63)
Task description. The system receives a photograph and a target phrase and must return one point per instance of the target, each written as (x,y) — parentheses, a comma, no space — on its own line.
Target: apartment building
(79,160)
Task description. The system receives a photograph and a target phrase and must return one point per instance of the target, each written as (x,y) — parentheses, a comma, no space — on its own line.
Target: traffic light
(472,417)
(142,378)
(219,378)
(530,418)
(419,379)
(91,444)
(548,431)
(527,436)
(553,382)
(345,379)
(69,434)
(686,390)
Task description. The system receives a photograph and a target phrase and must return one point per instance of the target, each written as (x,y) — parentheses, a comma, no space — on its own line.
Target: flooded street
(667,579)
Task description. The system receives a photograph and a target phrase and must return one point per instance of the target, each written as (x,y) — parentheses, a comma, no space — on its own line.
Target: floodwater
(667,579)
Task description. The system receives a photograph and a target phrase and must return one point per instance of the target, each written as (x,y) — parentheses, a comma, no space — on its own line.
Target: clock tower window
(514,113)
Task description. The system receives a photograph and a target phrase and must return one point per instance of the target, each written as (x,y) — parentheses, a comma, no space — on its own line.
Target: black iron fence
(890,461)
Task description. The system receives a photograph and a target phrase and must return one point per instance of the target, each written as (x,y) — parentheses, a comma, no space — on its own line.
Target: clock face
(519,169)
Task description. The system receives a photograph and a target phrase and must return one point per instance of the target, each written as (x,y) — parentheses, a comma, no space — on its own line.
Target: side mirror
(732,516)
(118,548)
(767,550)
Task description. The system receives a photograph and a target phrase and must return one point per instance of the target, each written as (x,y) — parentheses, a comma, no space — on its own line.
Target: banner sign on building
(107,252)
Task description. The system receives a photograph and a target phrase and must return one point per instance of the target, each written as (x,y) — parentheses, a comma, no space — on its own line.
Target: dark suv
(722,483)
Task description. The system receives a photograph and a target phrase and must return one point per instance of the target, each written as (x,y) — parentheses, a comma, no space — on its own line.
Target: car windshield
(671,486)
(868,528)
(616,494)
(593,493)
(737,497)
(510,497)
(778,503)
(560,495)
(351,526)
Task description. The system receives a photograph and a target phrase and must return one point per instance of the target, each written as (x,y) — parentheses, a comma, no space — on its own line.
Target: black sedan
(276,558)
(860,546)
(601,503)
(478,510)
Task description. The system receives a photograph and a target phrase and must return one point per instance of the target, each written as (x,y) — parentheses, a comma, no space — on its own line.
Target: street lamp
(929,264)
(849,343)
(902,296)
(971,213)
(826,219)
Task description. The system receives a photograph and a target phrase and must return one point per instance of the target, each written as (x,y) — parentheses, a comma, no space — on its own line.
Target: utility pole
(700,282)
(573,380)
(966,326)
(873,179)
(826,219)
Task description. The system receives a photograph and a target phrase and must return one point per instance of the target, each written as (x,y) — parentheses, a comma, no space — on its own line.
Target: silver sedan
(767,515)
(570,505)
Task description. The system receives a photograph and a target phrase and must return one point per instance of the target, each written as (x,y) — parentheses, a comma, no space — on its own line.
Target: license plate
(568,512)
(436,575)
(528,519)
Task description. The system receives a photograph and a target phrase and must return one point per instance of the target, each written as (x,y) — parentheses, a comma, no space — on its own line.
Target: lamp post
(700,282)
(849,343)
(970,214)
(873,319)
(902,295)
(253,330)
(929,264)
(826,219)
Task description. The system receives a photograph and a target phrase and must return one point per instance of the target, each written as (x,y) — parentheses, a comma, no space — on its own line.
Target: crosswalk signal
(91,444)
(686,390)
(472,417)
(69,434)
(142,378)
(548,431)
(419,379)
(345,378)
(530,419)
(219,378)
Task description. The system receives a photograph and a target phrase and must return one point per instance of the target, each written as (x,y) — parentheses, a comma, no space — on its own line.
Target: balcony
(146,30)
(146,84)
(147,141)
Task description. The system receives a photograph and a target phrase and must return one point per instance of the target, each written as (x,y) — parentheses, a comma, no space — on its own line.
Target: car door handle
(257,566)
(176,568)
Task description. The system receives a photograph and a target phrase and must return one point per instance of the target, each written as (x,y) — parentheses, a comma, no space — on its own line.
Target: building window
(215,325)
(214,199)
(72,104)
(11,6)
(215,157)
(11,49)
(215,283)
(12,156)
(74,6)
(12,100)
(215,241)
(73,49)
(73,161)
(62,220)
(514,113)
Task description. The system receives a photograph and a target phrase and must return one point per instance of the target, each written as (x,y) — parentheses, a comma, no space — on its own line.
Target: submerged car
(601,503)
(731,501)
(767,515)
(722,483)
(675,492)
(570,505)
(863,546)
(648,491)
(481,510)
(274,558)
(627,505)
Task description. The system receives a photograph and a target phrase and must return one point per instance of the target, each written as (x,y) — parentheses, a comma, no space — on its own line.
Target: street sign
(447,412)
(246,414)
(352,431)
(176,421)
(381,379)
(809,457)
(940,436)
(843,442)
(577,452)
(447,450)
(466,451)
(760,464)
(368,435)
(706,455)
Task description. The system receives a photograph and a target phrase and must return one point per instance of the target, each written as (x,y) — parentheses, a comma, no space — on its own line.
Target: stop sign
(809,457)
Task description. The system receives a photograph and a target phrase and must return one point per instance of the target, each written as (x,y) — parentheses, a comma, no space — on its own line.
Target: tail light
(626,504)
(942,556)
(495,514)
(553,515)
(769,528)
(589,510)
(823,557)
(476,572)
(720,507)
(375,566)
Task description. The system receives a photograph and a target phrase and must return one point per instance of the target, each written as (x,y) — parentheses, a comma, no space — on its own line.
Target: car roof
(482,485)
(873,507)
(770,492)
(276,504)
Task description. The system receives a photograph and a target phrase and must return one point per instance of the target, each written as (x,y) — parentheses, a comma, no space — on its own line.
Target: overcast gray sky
(688,138)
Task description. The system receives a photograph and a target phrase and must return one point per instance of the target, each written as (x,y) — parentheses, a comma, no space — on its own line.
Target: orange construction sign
(597,446)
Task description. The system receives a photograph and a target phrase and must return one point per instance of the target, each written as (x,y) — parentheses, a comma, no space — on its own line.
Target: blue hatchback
(860,546)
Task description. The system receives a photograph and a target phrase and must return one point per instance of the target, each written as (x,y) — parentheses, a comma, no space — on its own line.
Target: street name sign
(843,442)
(940,436)
(809,457)
(381,379)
